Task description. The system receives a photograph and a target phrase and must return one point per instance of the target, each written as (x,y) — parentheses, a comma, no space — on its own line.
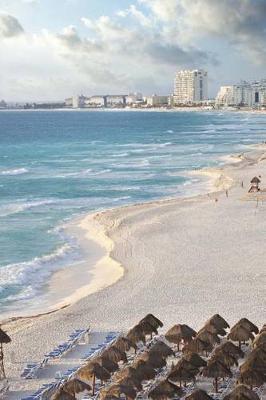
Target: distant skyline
(53,49)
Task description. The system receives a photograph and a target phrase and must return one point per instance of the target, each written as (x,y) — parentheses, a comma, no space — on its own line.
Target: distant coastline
(151,109)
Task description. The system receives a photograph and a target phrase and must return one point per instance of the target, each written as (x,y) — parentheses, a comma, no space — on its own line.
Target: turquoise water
(57,165)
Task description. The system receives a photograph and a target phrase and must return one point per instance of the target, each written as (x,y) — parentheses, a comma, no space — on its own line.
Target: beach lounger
(29,398)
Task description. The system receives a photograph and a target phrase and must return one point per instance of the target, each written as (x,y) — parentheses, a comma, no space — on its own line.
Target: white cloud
(241,22)
(133,11)
(9,26)
(138,48)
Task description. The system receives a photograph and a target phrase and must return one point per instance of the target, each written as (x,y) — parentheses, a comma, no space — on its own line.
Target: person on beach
(226,193)
(242,184)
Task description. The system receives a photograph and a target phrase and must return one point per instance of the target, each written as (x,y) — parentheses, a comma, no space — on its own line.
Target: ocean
(55,166)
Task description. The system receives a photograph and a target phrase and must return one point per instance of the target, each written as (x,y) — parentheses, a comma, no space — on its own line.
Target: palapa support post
(4,338)
(93,385)
(2,368)
(216,385)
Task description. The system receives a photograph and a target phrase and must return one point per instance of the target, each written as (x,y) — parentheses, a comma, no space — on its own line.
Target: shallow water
(57,165)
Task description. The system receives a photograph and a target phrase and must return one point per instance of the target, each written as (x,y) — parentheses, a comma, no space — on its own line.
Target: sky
(53,49)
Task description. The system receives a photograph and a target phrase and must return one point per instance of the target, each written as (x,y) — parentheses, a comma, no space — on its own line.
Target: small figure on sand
(242,184)
(226,193)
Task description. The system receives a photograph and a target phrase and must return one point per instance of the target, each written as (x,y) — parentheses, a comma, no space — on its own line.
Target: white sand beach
(181,259)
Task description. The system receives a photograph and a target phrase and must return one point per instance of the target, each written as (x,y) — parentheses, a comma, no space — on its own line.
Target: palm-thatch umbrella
(239,334)
(197,346)
(199,395)
(114,392)
(144,371)
(131,382)
(215,369)
(208,337)
(164,390)
(128,373)
(106,363)
(251,377)
(260,340)
(147,328)
(154,359)
(4,339)
(161,348)
(136,335)
(114,354)
(241,392)
(93,371)
(226,358)
(62,395)
(75,386)
(124,344)
(218,321)
(256,360)
(181,375)
(152,320)
(209,327)
(248,325)
(195,359)
(186,365)
(179,333)
(230,348)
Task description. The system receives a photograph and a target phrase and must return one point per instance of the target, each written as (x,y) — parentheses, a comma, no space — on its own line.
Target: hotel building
(244,94)
(191,86)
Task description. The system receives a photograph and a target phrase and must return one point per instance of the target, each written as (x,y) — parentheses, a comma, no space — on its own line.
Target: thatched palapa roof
(199,395)
(230,348)
(195,359)
(114,354)
(154,359)
(241,392)
(248,325)
(218,321)
(165,390)
(124,344)
(216,369)
(4,338)
(62,395)
(114,392)
(75,386)
(255,180)
(93,369)
(180,332)
(162,348)
(153,321)
(240,334)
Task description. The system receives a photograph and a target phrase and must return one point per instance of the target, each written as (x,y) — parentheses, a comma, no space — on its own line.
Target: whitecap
(15,171)
(33,273)
(15,208)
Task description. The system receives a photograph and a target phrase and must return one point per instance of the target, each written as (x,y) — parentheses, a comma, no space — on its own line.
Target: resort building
(116,100)
(190,87)
(244,94)
(96,102)
(157,101)
(134,98)
(78,101)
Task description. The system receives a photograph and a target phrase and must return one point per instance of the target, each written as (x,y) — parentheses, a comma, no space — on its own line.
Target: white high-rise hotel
(191,86)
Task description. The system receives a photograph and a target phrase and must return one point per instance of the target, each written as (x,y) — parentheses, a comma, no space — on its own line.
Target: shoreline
(182,259)
(152,109)
(106,271)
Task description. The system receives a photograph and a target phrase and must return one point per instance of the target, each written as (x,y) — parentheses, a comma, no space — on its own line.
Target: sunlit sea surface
(55,166)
